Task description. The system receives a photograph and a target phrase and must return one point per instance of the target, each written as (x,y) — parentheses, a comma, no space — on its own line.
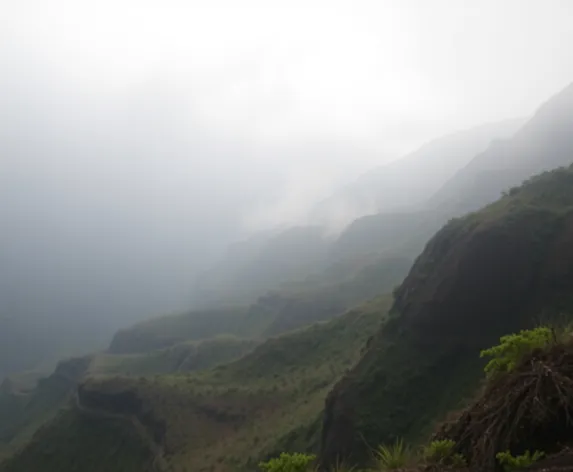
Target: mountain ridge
(353,377)
(481,276)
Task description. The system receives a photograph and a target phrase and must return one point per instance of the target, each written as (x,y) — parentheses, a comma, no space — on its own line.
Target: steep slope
(85,443)
(269,259)
(320,299)
(22,412)
(225,419)
(543,143)
(481,276)
(408,182)
(386,233)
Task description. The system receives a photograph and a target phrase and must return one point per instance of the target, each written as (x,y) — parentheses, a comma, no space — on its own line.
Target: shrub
(286,462)
(511,349)
(441,452)
(342,467)
(510,463)
(392,457)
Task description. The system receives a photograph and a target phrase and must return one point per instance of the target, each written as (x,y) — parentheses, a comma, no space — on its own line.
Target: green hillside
(321,297)
(481,276)
(25,408)
(165,331)
(85,443)
(223,419)
(183,357)
(24,411)
(337,386)
(200,340)
(308,366)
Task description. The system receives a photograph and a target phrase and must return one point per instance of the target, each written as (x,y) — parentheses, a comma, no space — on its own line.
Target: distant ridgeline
(317,356)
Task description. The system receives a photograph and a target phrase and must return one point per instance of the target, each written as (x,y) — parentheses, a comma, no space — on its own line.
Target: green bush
(510,463)
(441,452)
(392,457)
(286,462)
(513,347)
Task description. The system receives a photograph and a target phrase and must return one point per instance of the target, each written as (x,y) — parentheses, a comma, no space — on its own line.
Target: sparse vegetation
(511,463)
(295,462)
(393,456)
(441,452)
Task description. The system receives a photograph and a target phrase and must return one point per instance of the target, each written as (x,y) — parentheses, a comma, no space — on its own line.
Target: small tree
(441,452)
(513,347)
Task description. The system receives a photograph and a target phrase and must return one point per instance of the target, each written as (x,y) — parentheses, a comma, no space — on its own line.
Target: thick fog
(139,138)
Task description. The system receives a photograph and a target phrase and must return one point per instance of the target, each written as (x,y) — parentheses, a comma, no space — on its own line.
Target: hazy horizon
(139,139)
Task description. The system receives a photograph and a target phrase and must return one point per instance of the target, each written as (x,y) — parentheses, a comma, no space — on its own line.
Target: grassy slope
(183,357)
(83,443)
(224,419)
(295,305)
(23,411)
(480,277)
(165,331)
(320,299)
(172,343)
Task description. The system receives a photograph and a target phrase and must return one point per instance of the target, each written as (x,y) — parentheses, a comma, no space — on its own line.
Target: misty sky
(273,79)
(137,138)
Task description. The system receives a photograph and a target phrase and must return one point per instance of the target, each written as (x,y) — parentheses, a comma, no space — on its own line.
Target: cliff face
(112,399)
(20,410)
(482,276)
